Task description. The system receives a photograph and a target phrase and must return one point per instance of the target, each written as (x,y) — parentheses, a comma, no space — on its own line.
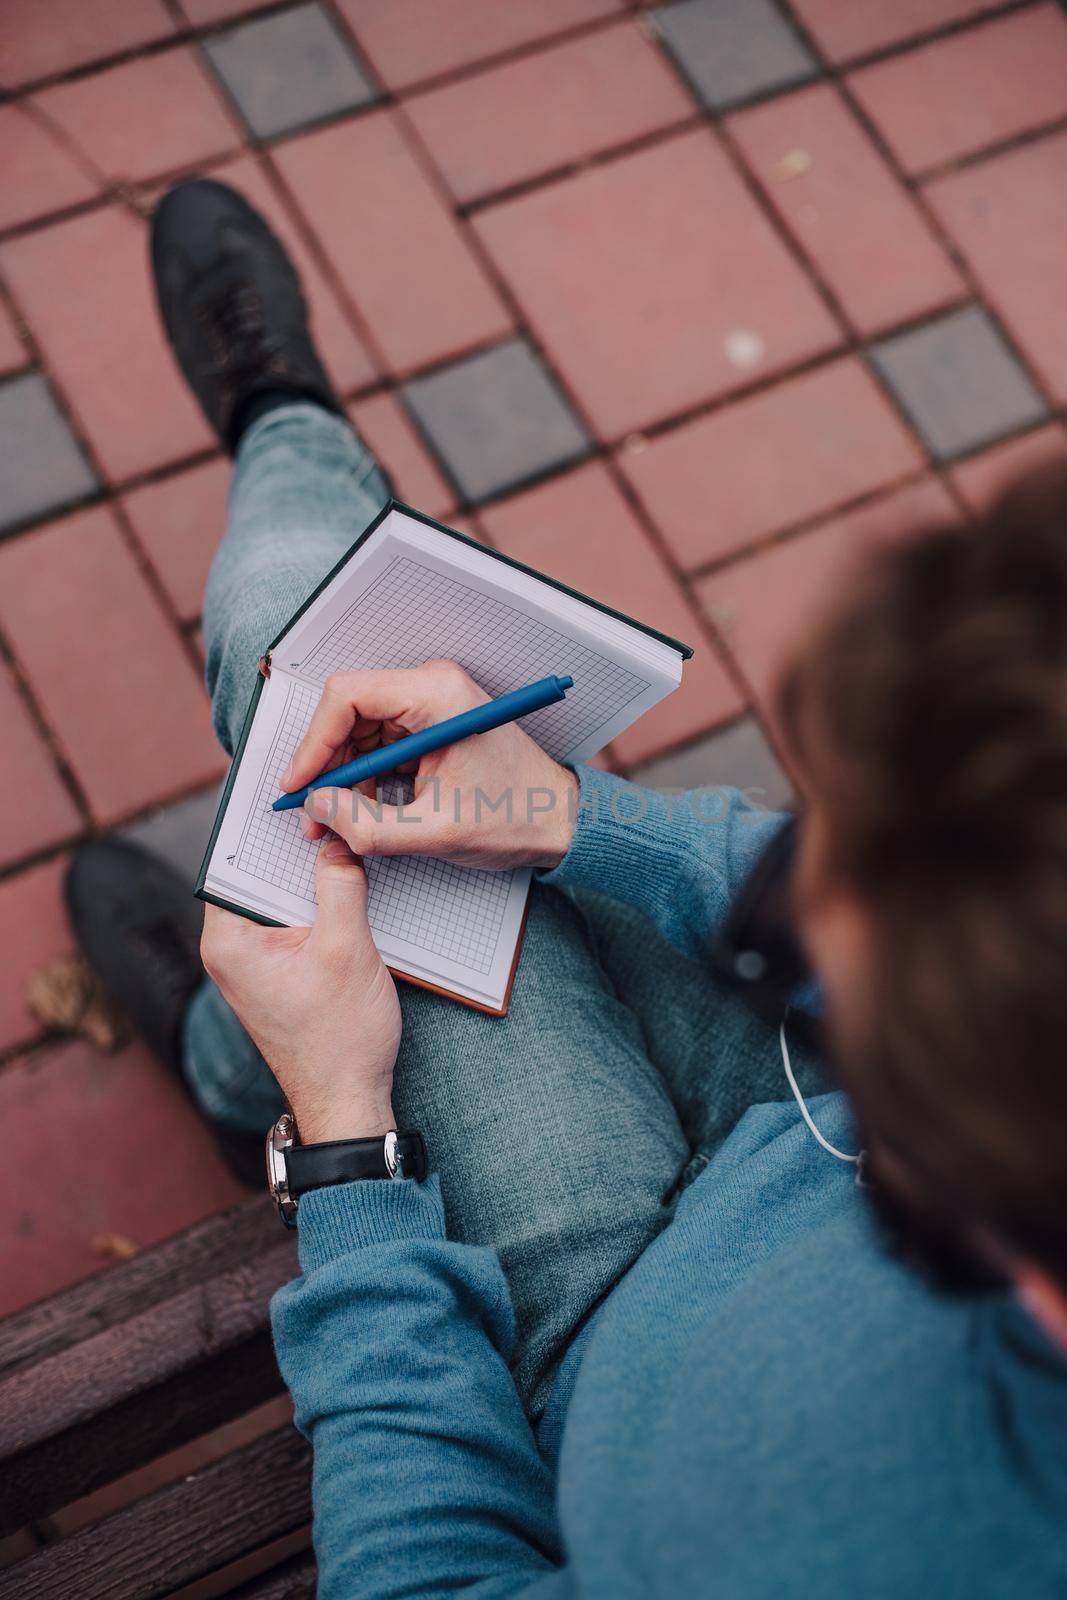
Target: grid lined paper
(450,911)
(412,613)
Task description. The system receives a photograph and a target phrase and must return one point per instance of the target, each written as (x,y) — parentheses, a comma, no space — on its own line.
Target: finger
(341,893)
(400,701)
(372,828)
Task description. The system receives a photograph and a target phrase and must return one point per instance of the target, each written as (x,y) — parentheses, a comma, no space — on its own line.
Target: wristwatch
(293,1169)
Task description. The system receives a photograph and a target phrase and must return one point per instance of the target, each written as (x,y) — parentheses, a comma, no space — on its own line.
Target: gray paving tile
(41,467)
(289,69)
(958,382)
(739,757)
(179,833)
(495,419)
(733,50)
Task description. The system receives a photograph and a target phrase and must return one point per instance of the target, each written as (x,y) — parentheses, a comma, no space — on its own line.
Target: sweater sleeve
(679,856)
(394,1344)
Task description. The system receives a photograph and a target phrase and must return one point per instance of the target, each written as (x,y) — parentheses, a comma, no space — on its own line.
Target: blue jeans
(562,1134)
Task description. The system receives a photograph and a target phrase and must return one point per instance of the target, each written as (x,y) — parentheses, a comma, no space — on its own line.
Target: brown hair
(928,719)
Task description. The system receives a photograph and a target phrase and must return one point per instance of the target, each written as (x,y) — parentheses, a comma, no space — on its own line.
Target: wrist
(560,822)
(344,1117)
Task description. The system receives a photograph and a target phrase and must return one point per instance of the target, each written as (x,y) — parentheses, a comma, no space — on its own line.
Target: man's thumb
(340,888)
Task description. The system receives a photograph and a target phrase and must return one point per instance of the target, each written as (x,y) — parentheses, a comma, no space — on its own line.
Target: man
(647,1329)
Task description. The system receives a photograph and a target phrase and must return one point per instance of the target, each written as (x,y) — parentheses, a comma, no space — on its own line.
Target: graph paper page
(400,602)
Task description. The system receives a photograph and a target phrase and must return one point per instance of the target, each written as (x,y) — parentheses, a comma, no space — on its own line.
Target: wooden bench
(131,1364)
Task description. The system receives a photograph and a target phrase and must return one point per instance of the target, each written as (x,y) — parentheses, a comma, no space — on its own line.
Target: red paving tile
(84,287)
(845,28)
(40,174)
(35,807)
(386,427)
(841,201)
(762,606)
(13,353)
(407,40)
(1009,217)
(179,523)
(33,930)
(154,1170)
(580,529)
(342,349)
(110,673)
(398,250)
(38,39)
(981,479)
(976,88)
(201,12)
(548,110)
(804,447)
(145,117)
(644,276)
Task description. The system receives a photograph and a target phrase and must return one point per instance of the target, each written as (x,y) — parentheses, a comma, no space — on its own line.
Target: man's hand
(318,1002)
(493,800)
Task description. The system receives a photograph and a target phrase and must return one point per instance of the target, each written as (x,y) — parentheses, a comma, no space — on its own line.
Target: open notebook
(408,591)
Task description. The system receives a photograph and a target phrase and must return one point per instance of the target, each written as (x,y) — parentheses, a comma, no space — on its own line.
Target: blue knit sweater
(766,1407)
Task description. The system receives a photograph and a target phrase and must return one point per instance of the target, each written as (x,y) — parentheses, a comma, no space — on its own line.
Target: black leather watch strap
(312,1166)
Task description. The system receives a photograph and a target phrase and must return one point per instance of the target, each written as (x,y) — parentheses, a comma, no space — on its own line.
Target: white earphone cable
(842,1155)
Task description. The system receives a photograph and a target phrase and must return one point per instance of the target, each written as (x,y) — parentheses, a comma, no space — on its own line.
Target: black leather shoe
(232,305)
(138,927)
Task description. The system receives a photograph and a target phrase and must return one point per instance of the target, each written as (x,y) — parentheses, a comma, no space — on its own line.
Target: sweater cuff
(342,1217)
(617,825)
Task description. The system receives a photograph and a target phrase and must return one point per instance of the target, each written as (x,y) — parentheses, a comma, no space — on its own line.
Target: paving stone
(958,382)
(762,606)
(396,246)
(408,40)
(111,675)
(548,110)
(976,88)
(179,833)
(13,352)
(1009,218)
(839,198)
(145,117)
(733,50)
(104,345)
(496,420)
(386,427)
(580,529)
(36,809)
(40,174)
(41,464)
(983,478)
(289,69)
(804,447)
(847,28)
(38,39)
(180,522)
(154,1171)
(33,931)
(656,283)
(738,757)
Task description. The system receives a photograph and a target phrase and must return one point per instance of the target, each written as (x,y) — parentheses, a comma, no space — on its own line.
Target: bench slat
(99,1408)
(293,1581)
(110,1296)
(183,1532)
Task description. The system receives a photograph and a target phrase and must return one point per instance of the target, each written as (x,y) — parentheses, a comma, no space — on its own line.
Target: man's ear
(1045,1301)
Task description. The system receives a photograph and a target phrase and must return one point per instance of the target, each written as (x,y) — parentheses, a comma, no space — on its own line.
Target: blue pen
(493,714)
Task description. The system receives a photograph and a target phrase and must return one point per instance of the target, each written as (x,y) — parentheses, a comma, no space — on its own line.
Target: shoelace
(246,347)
